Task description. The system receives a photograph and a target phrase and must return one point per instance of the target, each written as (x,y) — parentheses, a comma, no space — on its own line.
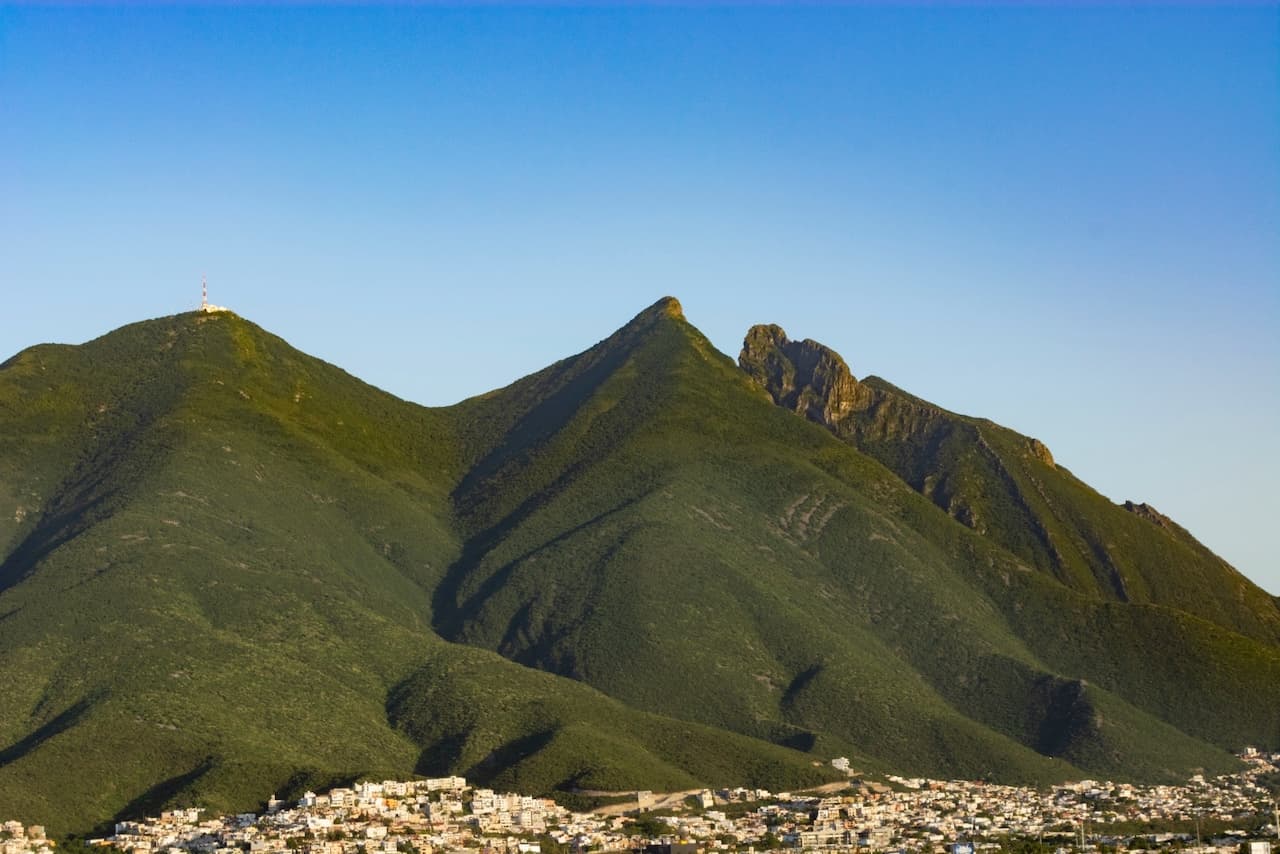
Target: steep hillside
(639,518)
(1009,488)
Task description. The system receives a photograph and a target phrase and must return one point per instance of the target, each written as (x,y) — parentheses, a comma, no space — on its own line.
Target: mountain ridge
(250,570)
(978,472)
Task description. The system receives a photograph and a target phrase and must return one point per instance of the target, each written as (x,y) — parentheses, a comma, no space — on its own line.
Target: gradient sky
(1064,220)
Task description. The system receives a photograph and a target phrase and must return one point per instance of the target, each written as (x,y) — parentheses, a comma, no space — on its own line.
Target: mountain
(1008,487)
(228,568)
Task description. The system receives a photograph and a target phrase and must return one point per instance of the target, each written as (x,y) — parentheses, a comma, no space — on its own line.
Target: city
(897,814)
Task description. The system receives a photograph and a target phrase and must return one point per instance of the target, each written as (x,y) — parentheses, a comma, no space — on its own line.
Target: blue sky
(1066,220)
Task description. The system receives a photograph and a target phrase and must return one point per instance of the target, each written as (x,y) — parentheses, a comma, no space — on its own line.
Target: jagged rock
(1151,514)
(1001,484)
(1041,451)
(803,376)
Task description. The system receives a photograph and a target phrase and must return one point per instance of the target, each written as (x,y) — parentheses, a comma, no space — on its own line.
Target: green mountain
(1008,487)
(228,568)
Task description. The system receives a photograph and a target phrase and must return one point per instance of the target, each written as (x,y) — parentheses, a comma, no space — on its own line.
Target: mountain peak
(761,339)
(666,307)
(651,318)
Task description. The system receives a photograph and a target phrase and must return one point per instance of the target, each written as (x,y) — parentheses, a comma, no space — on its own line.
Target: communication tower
(205,306)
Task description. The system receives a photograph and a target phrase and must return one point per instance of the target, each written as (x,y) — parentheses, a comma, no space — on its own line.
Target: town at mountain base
(230,568)
(1226,814)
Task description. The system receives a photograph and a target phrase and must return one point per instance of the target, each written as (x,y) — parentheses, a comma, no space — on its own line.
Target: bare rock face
(803,376)
(1041,452)
(946,457)
(670,306)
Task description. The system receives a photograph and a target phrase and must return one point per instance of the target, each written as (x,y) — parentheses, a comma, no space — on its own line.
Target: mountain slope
(222,574)
(1009,488)
(646,523)
(228,568)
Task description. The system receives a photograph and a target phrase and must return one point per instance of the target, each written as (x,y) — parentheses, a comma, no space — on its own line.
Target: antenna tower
(204,294)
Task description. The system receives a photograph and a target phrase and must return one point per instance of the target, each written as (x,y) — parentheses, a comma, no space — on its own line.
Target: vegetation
(1009,488)
(228,569)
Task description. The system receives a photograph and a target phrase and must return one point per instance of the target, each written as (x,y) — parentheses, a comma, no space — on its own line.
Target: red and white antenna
(204,294)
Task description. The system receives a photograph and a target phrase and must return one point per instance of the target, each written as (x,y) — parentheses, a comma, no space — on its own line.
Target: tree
(648,827)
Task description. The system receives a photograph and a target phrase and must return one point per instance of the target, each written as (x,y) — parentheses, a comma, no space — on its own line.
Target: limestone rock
(803,376)
(1041,451)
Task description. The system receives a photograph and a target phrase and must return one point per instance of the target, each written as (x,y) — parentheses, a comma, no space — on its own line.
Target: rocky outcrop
(1041,452)
(1152,515)
(803,376)
(668,306)
(944,456)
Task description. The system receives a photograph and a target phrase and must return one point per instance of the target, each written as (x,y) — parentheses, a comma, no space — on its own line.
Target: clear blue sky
(1064,220)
